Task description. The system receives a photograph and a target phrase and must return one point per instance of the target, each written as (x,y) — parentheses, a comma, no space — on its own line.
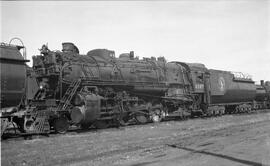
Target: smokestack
(262,82)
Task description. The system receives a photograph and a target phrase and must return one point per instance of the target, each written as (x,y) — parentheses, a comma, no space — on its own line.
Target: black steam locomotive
(99,89)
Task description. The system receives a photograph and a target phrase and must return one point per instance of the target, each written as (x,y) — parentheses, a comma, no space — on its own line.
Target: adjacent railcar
(13,75)
(262,99)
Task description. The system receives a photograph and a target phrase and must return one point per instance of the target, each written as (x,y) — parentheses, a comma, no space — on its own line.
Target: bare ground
(228,140)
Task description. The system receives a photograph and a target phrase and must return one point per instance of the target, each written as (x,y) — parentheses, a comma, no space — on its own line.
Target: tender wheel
(61,125)
(141,118)
(209,113)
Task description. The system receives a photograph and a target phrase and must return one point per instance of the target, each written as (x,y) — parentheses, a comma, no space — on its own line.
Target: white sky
(222,34)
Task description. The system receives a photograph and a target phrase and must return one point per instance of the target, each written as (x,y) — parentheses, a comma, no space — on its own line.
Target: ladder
(65,101)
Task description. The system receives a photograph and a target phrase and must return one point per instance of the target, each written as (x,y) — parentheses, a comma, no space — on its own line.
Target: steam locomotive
(100,89)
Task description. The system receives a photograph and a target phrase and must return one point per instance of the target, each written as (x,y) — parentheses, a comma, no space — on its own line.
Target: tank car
(13,81)
(13,75)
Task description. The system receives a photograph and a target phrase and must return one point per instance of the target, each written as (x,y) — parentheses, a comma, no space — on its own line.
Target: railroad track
(14,133)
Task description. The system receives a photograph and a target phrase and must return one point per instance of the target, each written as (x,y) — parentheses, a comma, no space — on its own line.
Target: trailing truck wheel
(141,118)
(156,116)
(123,123)
(61,125)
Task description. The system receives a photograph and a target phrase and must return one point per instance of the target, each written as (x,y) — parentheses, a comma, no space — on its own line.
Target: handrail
(241,76)
(24,48)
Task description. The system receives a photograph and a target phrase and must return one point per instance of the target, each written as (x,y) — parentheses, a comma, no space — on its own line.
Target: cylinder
(87,113)
(77,114)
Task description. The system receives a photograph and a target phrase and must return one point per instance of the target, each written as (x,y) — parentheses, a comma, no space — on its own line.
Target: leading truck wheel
(61,125)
